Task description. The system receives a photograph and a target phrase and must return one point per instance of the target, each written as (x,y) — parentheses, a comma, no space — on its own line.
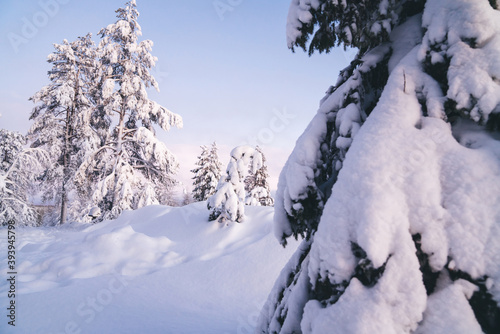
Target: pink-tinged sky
(223,66)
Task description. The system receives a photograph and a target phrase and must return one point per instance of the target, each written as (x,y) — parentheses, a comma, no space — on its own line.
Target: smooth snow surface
(154,270)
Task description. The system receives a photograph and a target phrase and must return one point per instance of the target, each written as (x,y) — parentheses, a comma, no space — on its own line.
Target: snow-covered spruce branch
(397,212)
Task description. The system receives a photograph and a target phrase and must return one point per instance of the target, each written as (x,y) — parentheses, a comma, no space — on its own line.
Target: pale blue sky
(226,75)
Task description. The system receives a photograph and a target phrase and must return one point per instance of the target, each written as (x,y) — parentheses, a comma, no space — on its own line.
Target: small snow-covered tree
(395,183)
(256,185)
(186,197)
(132,168)
(61,121)
(228,202)
(18,169)
(206,174)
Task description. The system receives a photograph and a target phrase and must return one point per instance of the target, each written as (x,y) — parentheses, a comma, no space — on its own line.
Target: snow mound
(157,270)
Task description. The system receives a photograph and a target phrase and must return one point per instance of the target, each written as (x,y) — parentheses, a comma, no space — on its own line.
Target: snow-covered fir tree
(18,170)
(395,183)
(61,122)
(207,173)
(257,186)
(228,202)
(132,168)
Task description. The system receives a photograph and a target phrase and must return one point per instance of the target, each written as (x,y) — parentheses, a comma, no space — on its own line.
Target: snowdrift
(154,270)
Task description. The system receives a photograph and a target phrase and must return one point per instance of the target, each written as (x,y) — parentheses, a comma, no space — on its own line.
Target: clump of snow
(298,14)
(448,311)
(469,31)
(107,89)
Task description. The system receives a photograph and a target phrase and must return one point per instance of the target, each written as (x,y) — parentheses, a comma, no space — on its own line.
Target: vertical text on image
(11,274)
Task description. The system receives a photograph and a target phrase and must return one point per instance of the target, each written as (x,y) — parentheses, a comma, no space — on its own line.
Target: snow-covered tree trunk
(66,155)
(395,183)
(64,194)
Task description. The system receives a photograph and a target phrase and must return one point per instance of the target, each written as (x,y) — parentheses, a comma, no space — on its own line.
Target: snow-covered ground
(155,270)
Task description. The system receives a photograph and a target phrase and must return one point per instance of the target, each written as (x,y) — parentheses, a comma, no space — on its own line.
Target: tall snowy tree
(228,202)
(395,183)
(256,185)
(206,174)
(18,169)
(132,168)
(61,120)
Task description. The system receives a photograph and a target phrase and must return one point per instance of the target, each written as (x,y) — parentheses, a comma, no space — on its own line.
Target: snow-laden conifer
(206,174)
(131,162)
(18,170)
(61,122)
(395,183)
(228,202)
(256,184)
